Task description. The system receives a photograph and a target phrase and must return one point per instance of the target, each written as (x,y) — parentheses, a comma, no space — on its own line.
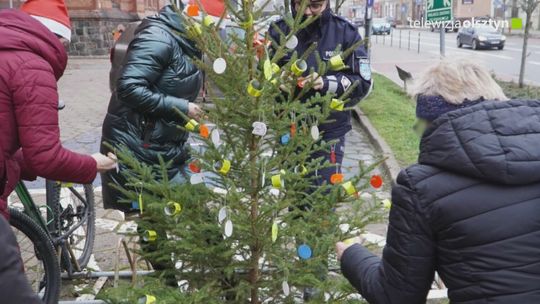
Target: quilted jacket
(470,210)
(32,59)
(158,76)
(329,32)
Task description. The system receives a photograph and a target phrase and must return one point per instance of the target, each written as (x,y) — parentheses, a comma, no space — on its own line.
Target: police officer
(329,31)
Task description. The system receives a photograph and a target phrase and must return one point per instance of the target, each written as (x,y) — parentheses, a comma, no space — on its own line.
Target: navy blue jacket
(329,31)
(469,210)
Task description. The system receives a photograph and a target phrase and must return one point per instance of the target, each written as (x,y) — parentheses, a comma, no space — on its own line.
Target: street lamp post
(367,25)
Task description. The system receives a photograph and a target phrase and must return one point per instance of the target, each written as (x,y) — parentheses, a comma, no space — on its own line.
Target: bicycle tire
(45,252)
(53,201)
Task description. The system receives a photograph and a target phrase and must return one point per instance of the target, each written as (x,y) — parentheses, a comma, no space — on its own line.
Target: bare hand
(105,163)
(194,111)
(342,246)
(314,80)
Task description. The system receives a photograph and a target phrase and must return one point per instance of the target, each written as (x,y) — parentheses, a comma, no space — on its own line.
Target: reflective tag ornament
(285,139)
(254,88)
(220,65)
(387,204)
(203,131)
(337,104)
(193,10)
(277,181)
(292,42)
(300,169)
(293,129)
(259,128)
(208,21)
(222,215)
(191,125)
(194,166)
(228,228)
(304,252)
(223,166)
(376,181)
(195,29)
(315,132)
(216,140)
(336,63)
(286,289)
(149,236)
(349,188)
(172,209)
(336,178)
(147,299)
(299,67)
(267,69)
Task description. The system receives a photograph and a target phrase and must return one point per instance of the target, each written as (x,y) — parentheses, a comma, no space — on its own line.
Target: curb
(389,164)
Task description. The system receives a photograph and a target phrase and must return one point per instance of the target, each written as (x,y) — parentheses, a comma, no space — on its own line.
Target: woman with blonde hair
(470,208)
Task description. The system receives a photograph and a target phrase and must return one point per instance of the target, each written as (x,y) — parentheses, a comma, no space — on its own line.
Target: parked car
(380,26)
(358,21)
(448,25)
(480,36)
(392,21)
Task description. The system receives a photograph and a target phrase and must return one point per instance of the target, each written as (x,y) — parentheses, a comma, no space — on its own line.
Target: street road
(504,63)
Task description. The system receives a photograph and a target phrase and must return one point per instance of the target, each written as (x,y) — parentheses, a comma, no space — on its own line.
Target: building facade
(471,8)
(93,21)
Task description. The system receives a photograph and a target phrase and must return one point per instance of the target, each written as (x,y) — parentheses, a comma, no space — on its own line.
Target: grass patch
(513,91)
(392,113)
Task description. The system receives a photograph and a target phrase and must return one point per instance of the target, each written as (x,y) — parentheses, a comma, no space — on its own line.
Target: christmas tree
(251,226)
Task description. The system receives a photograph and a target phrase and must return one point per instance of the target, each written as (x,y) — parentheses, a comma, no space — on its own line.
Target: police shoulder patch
(365,68)
(345,83)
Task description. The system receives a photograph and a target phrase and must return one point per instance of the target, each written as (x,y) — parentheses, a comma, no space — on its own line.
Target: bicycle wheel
(72,207)
(38,255)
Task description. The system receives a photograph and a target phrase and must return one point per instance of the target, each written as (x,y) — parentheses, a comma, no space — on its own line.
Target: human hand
(194,111)
(314,79)
(342,246)
(105,163)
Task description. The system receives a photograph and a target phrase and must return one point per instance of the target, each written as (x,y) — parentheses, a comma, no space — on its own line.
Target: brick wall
(93,21)
(92,30)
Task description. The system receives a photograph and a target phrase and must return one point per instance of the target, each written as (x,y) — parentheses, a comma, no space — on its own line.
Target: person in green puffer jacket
(158,75)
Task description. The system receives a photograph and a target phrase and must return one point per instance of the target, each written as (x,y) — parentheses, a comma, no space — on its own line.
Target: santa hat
(213,8)
(52,14)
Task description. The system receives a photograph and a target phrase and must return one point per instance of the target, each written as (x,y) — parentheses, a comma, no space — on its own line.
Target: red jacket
(32,59)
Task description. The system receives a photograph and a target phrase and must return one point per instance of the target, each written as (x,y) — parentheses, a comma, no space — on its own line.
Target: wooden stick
(117,264)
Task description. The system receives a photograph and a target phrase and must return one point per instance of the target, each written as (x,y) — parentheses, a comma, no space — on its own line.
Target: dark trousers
(14,286)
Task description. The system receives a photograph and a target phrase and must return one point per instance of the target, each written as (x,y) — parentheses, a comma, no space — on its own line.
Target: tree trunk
(255,248)
(524,52)
(538,26)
